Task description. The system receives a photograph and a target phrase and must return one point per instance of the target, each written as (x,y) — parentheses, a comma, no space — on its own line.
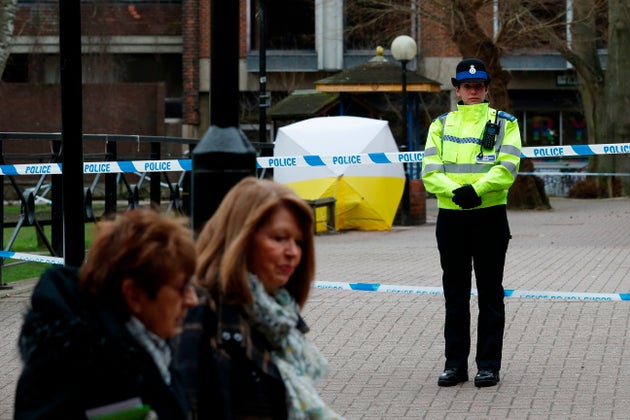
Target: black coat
(226,365)
(78,356)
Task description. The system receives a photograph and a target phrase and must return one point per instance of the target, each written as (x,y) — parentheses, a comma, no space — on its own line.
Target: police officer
(471,159)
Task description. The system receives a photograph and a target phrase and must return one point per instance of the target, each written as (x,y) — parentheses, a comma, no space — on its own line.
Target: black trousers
(467,240)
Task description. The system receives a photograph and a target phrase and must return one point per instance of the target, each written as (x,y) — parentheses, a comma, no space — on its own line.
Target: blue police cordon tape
(510,293)
(31,257)
(377,287)
(416,157)
(173,165)
(178,165)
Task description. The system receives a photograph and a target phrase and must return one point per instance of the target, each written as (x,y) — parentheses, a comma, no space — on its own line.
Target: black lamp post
(404,49)
(224,155)
(263,98)
(71,133)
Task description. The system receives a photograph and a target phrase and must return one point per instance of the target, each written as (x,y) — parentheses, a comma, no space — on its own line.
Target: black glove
(466,197)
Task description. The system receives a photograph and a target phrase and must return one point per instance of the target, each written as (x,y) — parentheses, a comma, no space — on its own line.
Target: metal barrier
(30,184)
(111,180)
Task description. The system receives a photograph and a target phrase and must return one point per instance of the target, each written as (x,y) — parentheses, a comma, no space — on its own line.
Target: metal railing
(33,179)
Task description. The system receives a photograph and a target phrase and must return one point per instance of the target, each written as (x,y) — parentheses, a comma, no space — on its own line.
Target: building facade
(168,42)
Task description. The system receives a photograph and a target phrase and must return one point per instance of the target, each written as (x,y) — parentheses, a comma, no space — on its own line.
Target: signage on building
(567,79)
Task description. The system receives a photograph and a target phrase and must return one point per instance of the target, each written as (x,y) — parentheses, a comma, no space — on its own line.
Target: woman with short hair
(99,334)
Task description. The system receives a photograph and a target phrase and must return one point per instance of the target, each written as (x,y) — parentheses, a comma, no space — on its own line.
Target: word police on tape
(178,165)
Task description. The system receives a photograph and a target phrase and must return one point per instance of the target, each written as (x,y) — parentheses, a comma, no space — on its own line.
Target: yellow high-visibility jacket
(453,155)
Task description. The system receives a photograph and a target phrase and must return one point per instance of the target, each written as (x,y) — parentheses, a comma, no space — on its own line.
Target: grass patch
(22,270)
(27,241)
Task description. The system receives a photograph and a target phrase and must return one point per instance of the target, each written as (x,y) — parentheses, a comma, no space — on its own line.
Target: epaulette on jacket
(440,116)
(505,115)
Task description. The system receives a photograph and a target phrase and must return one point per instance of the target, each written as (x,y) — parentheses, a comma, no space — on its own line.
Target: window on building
(552,128)
(549,117)
(543,128)
(368,25)
(290,25)
(574,128)
(16,69)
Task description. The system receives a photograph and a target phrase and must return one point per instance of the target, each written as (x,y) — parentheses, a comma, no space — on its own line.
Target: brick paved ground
(562,359)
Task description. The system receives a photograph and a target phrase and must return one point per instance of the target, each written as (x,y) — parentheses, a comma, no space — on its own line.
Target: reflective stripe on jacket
(453,155)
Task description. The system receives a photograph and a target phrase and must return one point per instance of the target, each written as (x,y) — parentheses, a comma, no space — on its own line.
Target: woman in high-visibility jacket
(471,159)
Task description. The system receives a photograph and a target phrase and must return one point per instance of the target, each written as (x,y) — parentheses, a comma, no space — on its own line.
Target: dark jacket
(226,365)
(77,356)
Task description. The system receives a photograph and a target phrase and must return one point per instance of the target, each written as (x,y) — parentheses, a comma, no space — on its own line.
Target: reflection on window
(369,24)
(575,132)
(553,128)
(544,130)
(290,25)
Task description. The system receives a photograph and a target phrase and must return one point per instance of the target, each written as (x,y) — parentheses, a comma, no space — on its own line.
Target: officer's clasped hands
(466,197)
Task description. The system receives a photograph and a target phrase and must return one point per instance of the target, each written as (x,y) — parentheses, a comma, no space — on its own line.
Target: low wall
(123,108)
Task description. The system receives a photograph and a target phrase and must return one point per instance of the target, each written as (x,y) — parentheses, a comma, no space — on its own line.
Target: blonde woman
(243,352)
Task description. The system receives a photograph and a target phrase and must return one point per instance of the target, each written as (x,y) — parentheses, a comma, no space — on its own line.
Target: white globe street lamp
(404,49)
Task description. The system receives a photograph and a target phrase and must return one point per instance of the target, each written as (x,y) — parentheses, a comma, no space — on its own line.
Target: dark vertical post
(56,207)
(111,193)
(343,99)
(72,131)
(155,186)
(405,198)
(186,185)
(263,99)
(224,155)
(224,55)
(405,101)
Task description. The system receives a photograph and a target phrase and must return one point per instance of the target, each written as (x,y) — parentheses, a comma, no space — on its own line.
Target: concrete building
(168,42)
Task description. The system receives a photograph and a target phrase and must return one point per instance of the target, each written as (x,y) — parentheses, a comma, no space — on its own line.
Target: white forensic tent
(367,195)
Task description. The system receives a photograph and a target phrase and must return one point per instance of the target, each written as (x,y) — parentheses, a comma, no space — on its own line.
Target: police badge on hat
(470,70)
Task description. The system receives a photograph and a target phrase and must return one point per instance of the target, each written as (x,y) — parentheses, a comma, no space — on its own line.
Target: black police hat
(470,70)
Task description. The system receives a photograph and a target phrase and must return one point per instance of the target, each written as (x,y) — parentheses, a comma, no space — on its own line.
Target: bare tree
(612,120)
(468,25)
(8,9)
(605,93)
(575,28)
(591,24)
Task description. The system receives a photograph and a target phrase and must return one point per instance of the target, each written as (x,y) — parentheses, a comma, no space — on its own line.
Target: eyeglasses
(185,287)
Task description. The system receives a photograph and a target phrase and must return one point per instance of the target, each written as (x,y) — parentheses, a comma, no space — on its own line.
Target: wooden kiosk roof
(377,75)
(301,103)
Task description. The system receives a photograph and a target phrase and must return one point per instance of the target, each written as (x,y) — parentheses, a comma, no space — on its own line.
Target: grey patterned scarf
(299,361)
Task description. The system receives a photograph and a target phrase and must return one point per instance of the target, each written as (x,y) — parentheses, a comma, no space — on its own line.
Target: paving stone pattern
(562,359)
